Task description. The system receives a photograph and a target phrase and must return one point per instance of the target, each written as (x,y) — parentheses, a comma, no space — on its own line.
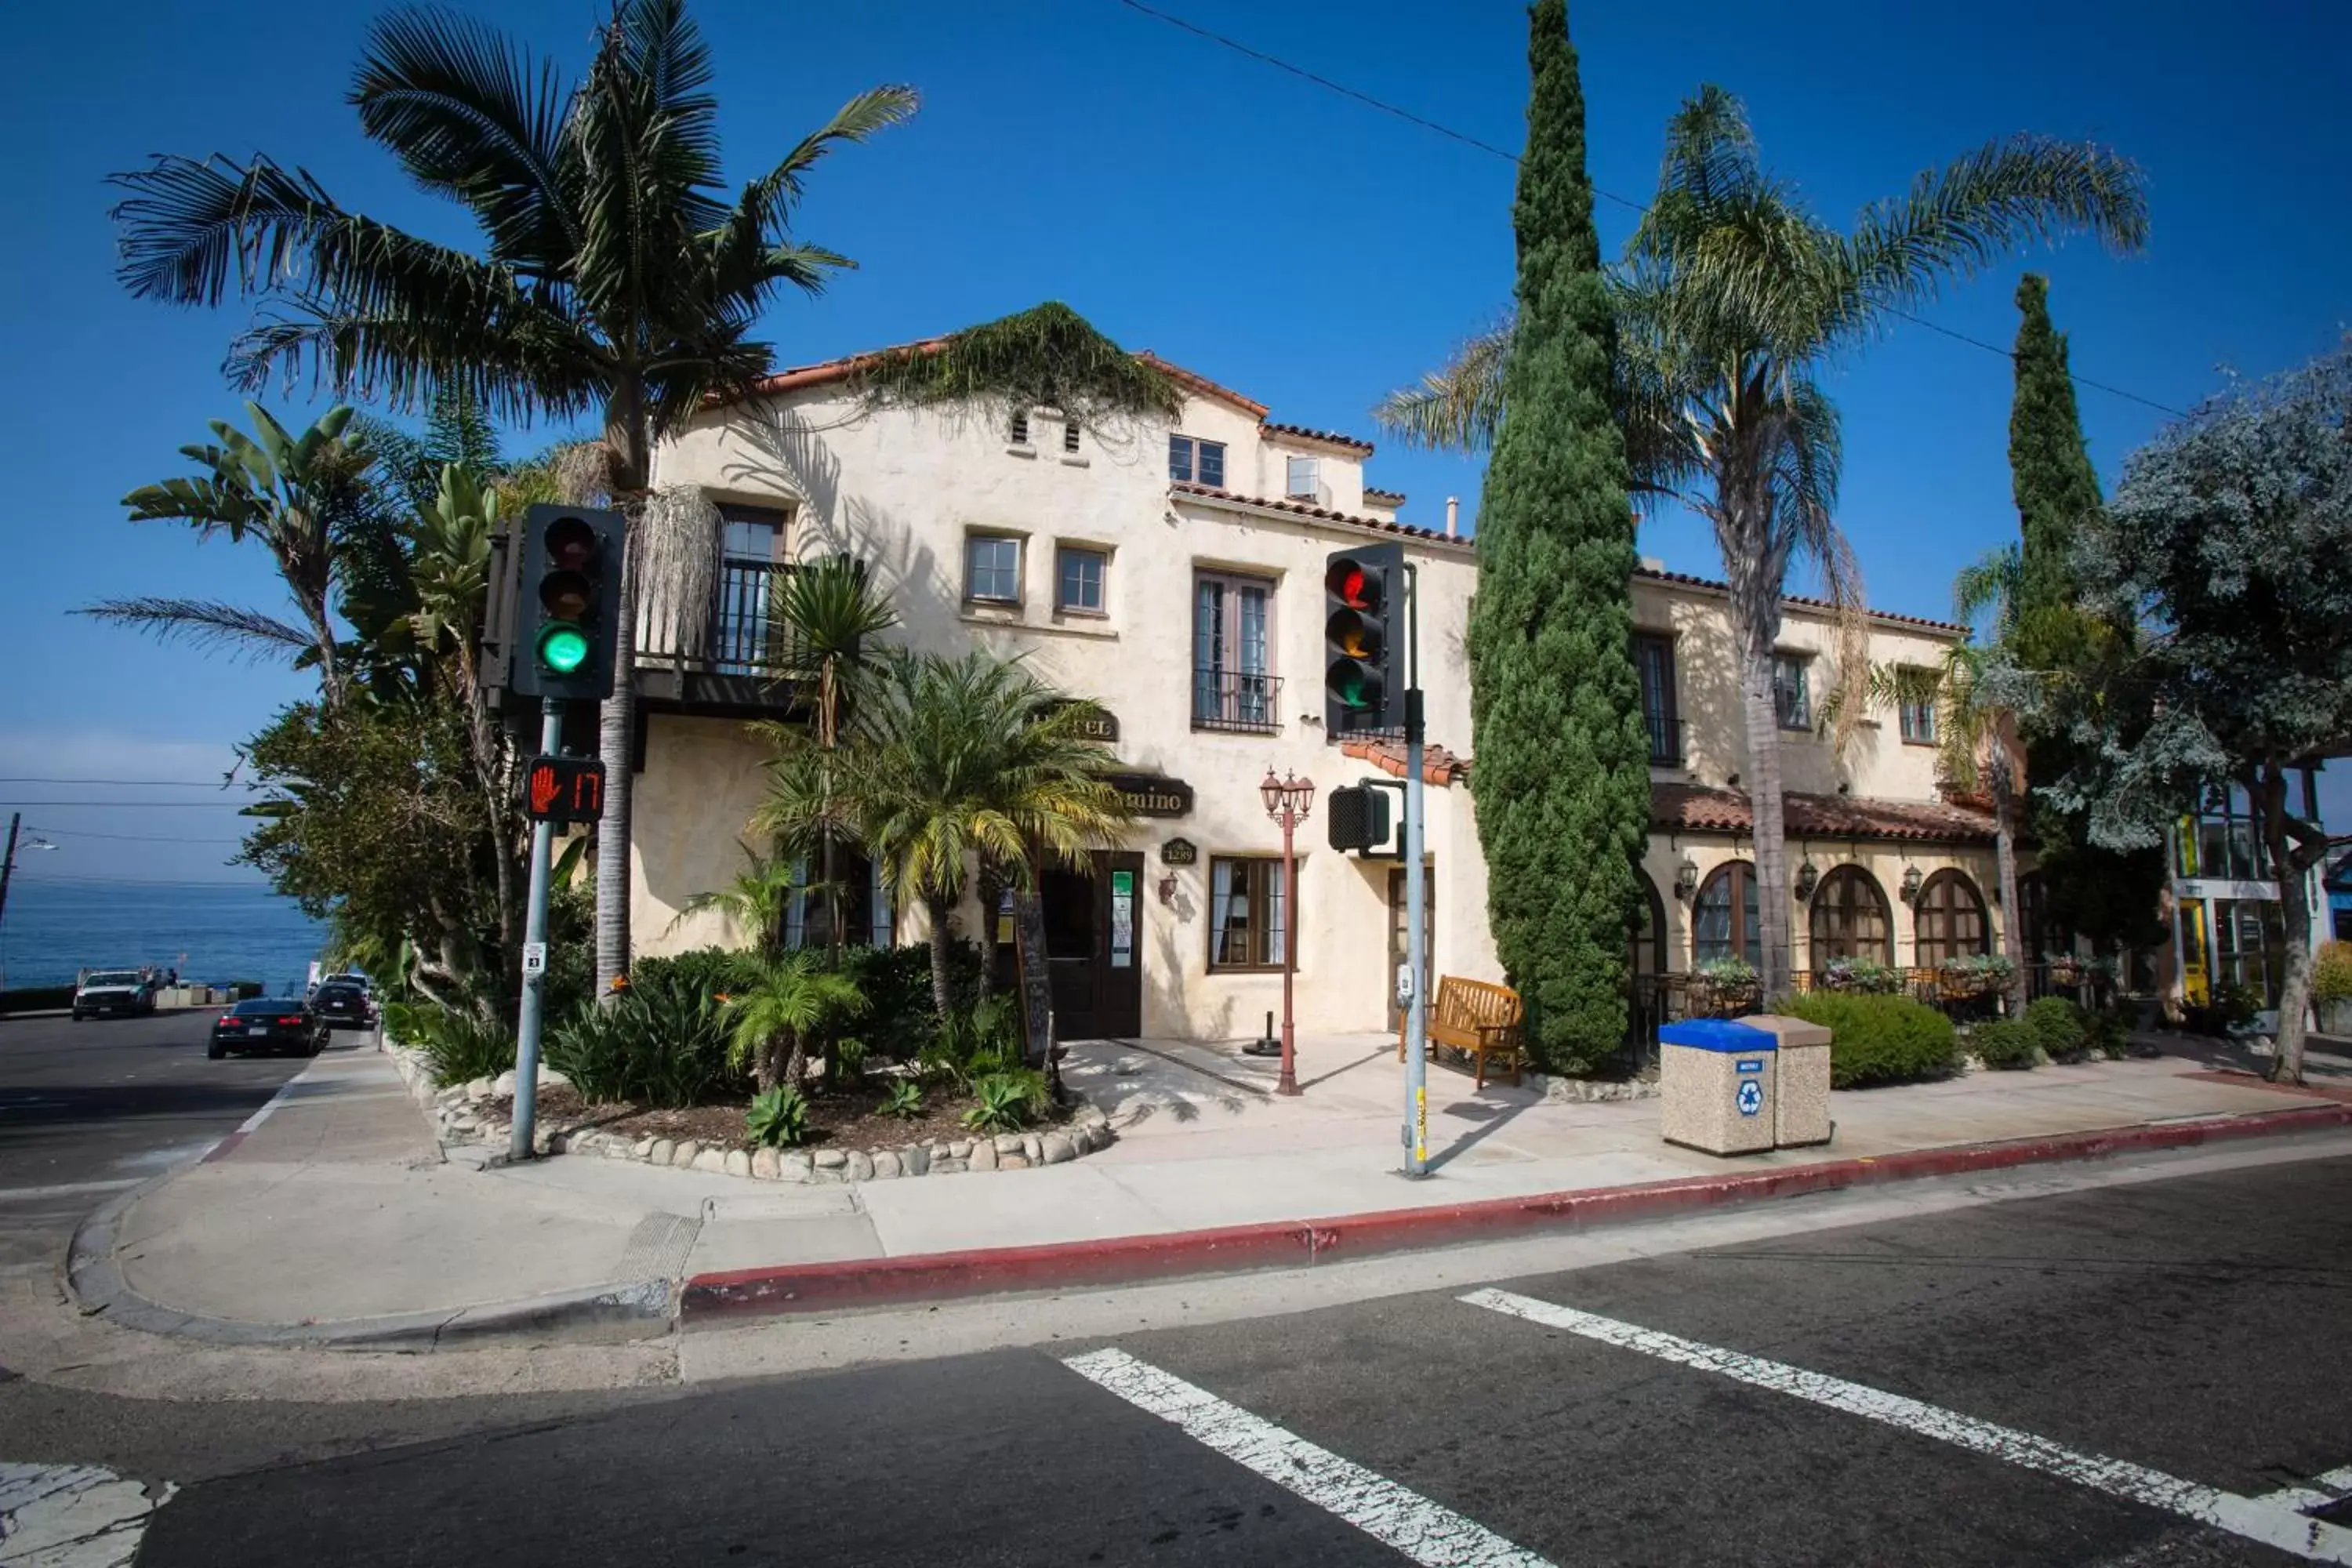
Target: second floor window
(1196,462)
(1917,707)
(1078,580)
(992,569)
(1791,696)
(1234,685)
(752,548)
(1303,479)
(1654,661)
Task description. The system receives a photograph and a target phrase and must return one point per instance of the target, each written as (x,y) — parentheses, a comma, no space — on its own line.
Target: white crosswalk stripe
(71,1516)
(2256,1519)
(1425,1532)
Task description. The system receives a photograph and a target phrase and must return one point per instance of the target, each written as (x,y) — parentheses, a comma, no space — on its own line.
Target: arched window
(1723,918)
(1950,919)
(1850,918)
(1648,937)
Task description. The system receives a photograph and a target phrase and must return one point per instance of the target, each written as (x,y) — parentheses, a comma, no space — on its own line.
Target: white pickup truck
(113,990)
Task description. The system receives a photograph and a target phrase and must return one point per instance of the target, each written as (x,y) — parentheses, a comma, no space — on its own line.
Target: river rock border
(461,1115)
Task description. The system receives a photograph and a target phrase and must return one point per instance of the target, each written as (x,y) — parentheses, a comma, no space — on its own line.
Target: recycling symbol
(1751,1097)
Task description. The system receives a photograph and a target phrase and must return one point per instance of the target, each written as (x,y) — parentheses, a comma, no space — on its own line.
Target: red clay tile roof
(1438,765)
(1202,383)
(1300,508)
(1329,438)
(1696,808)
(1686,580)
(1385,497)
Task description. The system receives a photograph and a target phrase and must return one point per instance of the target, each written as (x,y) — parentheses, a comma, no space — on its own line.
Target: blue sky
(1279,238)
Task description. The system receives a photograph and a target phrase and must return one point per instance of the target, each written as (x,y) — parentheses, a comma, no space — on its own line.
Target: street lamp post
(1288,800)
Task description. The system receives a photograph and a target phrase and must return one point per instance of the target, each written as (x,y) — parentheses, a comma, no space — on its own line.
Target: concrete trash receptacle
(1715,1085)
(1801,1079)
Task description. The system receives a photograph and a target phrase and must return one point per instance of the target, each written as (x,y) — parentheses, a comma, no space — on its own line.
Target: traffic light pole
(534,948)
(1416,898)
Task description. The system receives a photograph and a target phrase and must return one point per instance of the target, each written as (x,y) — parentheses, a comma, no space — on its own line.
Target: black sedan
(340,1005)
(267,1024)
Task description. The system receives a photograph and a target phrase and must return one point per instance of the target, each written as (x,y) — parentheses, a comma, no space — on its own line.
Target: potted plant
(2065,971)
(1722,988)
(2331,988)
(1865,977)
(1978,975)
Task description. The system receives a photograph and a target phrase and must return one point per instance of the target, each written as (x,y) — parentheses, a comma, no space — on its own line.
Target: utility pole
(8,861)
(1416,899)
(534,952)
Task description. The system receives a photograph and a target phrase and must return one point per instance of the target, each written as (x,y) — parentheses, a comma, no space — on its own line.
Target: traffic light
(1363,690)
(567,615)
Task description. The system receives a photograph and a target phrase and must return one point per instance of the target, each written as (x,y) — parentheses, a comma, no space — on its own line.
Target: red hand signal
(543,788)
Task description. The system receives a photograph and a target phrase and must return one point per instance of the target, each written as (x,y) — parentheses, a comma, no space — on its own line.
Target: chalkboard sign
(1036,980)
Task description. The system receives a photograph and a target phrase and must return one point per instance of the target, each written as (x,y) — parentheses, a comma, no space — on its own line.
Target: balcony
(1238,701)
(727,655)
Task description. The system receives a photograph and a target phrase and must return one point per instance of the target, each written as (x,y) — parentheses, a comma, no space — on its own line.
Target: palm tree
(292,493)
(781,998)
(617,280)
(755,903)
(821,615)
(1730,297)
(955,761)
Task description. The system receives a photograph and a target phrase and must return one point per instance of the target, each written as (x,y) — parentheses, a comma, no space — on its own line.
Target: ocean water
(211,933)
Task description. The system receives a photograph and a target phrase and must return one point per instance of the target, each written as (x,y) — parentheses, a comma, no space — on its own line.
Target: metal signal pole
(1416,899)
(534,952)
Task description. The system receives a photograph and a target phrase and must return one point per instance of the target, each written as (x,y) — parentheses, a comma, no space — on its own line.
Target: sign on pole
(563,791)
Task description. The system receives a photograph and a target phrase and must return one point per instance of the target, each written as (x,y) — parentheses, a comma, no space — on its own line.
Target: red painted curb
(1129,1260)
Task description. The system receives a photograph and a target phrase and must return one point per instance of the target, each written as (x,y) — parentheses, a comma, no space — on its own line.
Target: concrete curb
(1118,1260)
(639,1309)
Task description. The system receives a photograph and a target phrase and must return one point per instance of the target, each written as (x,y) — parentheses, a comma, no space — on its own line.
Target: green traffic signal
(562,648)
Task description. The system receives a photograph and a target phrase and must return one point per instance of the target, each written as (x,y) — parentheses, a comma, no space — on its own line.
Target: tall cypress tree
(1563,775)
(2107,895)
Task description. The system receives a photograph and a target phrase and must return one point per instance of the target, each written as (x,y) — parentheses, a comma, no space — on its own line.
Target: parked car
(267,1024)
(341,1005)
(125,991)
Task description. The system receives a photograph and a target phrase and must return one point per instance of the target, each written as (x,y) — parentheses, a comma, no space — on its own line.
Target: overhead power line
(1237,46)
(127,837)
(135,783)
(161,804)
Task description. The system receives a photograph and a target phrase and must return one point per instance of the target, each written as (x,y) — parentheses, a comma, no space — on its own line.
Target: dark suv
(267,1024)
(341,1006)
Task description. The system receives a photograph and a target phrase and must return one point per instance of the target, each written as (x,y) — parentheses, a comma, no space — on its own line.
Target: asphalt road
(2194,1326)
(89,1110)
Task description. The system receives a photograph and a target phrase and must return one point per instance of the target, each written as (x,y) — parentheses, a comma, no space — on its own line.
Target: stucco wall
(702,780)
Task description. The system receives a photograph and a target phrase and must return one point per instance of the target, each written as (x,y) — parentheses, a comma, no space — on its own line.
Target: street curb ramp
(632,1310)
(1120,1260)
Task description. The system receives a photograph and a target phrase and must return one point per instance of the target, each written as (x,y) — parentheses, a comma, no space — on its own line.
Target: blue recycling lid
(1718,1034)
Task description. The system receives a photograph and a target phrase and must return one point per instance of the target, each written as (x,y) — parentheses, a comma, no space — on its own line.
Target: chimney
(1452,516)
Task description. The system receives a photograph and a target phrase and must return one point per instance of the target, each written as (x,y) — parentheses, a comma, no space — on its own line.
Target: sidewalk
(337,1220)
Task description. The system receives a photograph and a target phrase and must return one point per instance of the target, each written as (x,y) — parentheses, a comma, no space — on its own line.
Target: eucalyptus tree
(617,279)
(1732,296)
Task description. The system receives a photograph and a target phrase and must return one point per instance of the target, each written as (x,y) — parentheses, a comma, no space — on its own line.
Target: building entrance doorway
(1094,946)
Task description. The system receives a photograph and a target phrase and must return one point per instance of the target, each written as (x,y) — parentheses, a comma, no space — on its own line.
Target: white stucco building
(1173,570)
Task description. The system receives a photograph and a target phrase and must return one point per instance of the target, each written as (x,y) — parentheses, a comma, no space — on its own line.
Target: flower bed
(850,1140)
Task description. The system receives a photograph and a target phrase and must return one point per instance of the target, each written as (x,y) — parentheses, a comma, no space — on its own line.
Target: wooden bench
(1476,1017)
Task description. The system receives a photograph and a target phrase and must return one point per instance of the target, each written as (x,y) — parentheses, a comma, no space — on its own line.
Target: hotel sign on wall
(1102,725)
(1152,795)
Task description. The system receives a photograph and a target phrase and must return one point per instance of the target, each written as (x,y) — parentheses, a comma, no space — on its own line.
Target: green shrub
(2058,1027)
(2331,972)
(2108,1030)
(777,1118)
(2231,1010)
(1879,1039)
(897,980)
(972,1044)
(1007,1101)
(2007,1043)
(696,973)
(458,1046)
(663,1044)
(905,1099)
